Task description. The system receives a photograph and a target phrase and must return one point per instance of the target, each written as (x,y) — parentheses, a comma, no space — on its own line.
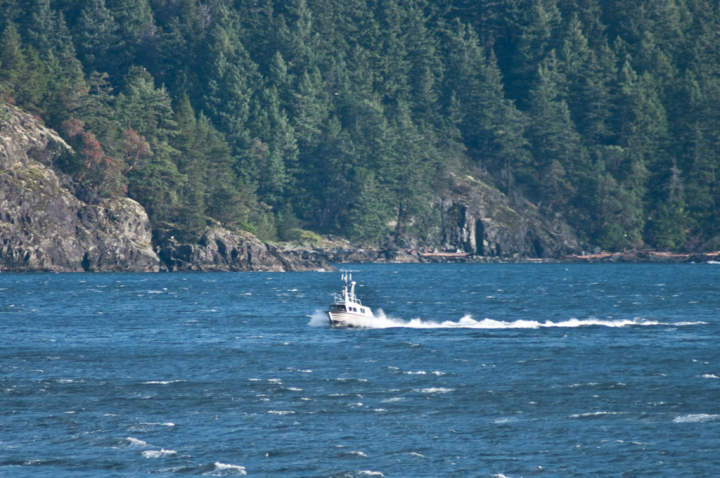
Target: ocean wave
(223,469)
(158,453)
(434,390)
(135,442)
(395,399)
(696,418)
(595,414)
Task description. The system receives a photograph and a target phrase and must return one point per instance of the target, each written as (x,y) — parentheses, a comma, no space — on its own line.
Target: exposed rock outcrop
(221,250)
(43,226)
(481,220)
(479,223)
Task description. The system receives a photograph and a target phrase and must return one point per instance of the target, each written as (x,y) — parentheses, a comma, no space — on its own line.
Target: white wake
(382,321)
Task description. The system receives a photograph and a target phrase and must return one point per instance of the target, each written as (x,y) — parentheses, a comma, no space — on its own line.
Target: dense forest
(348,116)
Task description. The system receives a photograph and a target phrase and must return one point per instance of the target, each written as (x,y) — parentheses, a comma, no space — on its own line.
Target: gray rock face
(43,226)
(481,220)
(221,250)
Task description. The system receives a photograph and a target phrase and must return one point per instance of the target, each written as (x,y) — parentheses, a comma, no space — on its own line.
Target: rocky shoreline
(349,254)
(45,225)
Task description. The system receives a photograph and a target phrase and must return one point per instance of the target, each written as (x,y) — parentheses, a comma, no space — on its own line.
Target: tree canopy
(347,116)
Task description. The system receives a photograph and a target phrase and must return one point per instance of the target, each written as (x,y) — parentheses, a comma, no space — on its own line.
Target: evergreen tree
(533,24)
(97,38)
(13,62)
(555,145)
(148,111)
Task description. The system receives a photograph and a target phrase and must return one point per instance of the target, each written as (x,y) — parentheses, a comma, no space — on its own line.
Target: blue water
(492,370)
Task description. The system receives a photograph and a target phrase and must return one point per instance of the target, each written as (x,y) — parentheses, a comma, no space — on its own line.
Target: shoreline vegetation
(197,135)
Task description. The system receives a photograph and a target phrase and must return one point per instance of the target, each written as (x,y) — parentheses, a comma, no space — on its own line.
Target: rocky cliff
(478,223)
(481,220)
(44,226)
(221,250)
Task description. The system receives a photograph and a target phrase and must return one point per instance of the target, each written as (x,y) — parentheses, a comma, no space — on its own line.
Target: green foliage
(347,116)
(300,235)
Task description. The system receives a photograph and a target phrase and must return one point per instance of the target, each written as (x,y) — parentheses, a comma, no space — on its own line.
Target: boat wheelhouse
(346,308)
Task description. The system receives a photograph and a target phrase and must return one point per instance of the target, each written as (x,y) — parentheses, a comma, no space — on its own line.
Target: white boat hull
(347,320)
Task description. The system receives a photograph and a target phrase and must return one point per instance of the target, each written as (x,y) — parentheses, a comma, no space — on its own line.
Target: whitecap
(695,418)
(162,382)
(415,373)
(358,454)
(439,373)
(222,469)
(135,442)
(154,292)
(595,414)
(370,473)
(395,399)
(709,375)
(158,453)
(281,412)
(292,389)
(434,390)
(167,424)
(305,371)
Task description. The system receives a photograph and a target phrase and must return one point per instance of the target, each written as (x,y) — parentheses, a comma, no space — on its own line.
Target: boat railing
(350,297)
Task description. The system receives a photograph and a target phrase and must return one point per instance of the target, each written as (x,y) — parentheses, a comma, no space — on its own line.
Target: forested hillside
(347,116)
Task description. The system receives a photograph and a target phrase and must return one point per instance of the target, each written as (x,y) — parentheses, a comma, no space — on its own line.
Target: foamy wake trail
(382,321)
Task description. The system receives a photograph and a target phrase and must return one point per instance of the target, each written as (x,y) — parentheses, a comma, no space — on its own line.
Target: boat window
(362,310)
(337,308)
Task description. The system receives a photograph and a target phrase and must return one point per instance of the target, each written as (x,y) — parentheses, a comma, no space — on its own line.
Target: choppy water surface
(471,370)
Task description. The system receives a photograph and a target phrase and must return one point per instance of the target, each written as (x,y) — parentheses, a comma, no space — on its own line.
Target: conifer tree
(533,23)
(556,146)
(12,60)
(149,112)
(97,38)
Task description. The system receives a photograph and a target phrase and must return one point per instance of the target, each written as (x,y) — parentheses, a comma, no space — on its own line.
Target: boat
(346,308)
